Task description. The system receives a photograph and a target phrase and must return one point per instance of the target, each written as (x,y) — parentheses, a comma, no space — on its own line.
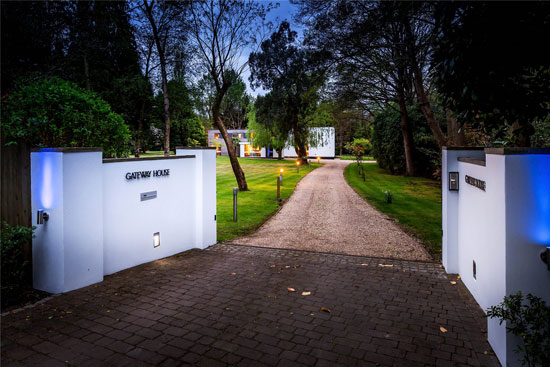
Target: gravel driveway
(325,214)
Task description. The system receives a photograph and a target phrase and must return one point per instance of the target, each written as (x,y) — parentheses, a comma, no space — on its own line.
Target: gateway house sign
(147,174)
(475,182)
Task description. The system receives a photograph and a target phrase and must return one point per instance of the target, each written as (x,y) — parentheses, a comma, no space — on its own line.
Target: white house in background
(325,148)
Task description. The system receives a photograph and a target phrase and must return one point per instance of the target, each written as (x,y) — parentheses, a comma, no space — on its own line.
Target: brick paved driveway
(230,305)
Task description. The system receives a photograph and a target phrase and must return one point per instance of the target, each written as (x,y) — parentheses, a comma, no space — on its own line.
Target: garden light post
(318,159)
(281,175)
(279,180)
(298,167)
(235,192)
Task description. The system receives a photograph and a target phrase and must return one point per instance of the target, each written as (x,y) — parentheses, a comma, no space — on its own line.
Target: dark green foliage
(16,271)
(528,319)
(387,142)
(293,76)
(490,63)
(57,113)
(186,127)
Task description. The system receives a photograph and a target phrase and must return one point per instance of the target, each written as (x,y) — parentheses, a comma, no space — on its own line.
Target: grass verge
(416,201)
(258,204)
(352,158)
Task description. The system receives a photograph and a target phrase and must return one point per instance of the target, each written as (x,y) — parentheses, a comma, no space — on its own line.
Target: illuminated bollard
(298,167)
(279,180)
(318,159)
(281,176)
(235,192)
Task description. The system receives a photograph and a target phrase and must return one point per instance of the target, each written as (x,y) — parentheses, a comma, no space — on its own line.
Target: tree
(162,21)
(368,56)
(490,65)
(221,30)
(266,124)
(187,128)
(290,73)
(235,104)
(80,118)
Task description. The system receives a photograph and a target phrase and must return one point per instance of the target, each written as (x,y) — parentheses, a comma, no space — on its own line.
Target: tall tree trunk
(279,153)
(301,151)
(407,135)
(140,129)
(237,170)
(162,58)
(418,80)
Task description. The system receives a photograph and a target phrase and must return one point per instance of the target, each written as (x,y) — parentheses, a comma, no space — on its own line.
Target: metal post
(298,168)
(235,192)
(279,180)
(308,164)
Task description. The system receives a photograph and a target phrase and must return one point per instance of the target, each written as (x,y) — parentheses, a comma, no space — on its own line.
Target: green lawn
(258,204)
(352,158)
(416,201)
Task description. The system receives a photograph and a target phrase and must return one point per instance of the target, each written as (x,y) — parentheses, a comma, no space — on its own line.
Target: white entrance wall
(98,223)
(503,229)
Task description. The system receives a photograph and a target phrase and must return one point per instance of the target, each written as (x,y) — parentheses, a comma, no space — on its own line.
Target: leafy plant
(529,320)
(57,113)
(16,270)
(389,196)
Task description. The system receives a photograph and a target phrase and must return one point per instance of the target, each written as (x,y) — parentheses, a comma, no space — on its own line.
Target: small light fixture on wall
(453,181)
(156,239)
(545,257)
(42,216)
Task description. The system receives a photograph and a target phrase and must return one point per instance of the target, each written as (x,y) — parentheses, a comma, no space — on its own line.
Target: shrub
(57,113)
(530,321)
(16,272)
(387,142)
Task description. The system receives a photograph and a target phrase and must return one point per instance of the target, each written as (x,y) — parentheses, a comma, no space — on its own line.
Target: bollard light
(235,192)
(297,166)
(281,175)
(318,159)
(279,180)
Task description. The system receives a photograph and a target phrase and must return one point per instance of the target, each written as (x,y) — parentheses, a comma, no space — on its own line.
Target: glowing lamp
(281,170)
(298,163)
(156,239)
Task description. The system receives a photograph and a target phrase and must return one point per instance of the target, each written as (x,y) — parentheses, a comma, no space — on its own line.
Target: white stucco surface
(98,223)
(503,229)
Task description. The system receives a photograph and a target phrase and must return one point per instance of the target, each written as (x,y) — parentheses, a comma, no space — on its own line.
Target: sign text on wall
(147,174)
(475,182)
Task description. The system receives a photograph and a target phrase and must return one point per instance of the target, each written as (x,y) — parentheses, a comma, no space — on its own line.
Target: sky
(285,11)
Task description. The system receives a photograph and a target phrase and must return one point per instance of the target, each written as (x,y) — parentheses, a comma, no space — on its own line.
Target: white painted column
(68,248)
(449,203)
(205,195)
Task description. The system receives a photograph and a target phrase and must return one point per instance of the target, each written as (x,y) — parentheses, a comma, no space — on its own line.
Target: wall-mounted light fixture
(453,181)
(42,216)
(156,239)
(545,257)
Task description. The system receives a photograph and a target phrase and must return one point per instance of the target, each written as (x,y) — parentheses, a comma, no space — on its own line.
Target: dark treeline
(429,74)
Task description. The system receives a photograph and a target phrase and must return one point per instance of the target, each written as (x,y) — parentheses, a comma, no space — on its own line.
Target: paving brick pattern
(230,305)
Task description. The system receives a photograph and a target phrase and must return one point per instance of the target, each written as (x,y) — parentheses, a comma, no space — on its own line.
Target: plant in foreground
(530,320)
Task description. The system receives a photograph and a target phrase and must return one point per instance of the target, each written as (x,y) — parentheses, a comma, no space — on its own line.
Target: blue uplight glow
(45,188)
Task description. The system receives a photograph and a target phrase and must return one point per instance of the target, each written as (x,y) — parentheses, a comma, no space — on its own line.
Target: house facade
(324,147)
